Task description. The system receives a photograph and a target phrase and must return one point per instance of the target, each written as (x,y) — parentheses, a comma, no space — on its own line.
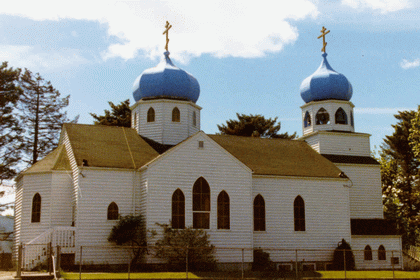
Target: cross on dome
(167,26)
(323,38)
(166,81)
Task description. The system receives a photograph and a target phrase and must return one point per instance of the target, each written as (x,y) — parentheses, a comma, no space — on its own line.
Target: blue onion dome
(325,84)
(166,81)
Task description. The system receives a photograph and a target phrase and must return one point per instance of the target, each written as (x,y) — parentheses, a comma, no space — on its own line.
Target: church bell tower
(165,95)
(327,116)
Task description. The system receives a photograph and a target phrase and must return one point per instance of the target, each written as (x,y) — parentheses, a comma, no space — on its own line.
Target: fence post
(296,261)
(345,268)
(19,262)
(129,266)
(50,253)
(243,263)
(58,266)
(392,263)
(80,263)
(186,264)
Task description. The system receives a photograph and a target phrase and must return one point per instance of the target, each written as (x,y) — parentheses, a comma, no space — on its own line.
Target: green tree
(400,184)
(254,125)
(415,134)
(10,130)
(130,230)
(175,243)
(120,115)
(41,114)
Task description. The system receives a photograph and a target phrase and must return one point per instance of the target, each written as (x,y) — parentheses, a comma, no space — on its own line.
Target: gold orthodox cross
(167,26)
(323,38)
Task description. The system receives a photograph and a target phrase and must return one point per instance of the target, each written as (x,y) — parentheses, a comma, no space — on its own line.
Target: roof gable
(108,146)
(56,160)
(195,136)
(278,156)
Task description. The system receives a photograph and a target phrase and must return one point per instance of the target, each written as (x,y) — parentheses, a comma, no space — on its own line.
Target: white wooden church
(247,193)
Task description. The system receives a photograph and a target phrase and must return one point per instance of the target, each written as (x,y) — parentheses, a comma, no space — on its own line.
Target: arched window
(201,204)
(113,211)
(368,253)
(340,116)
(176,115)
(307,120)
(223,211)
(36,209)
(322,117)
(259,213)
(299,213)
(135,120)
(381,253)
(194,119)
(351,119)
(151,115)
(178,209)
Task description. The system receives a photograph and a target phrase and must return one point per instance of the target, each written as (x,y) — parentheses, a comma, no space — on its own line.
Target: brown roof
(373,227)
(351,159)
(278,156)
(56,160)
(108,146)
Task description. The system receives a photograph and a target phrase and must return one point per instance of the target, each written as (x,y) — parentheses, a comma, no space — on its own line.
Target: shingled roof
(278,156)
(56,160)
(373,227)
(120,147)
(108,146)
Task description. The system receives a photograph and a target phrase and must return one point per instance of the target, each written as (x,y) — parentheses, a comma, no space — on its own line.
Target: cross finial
(167,26)
(323,38)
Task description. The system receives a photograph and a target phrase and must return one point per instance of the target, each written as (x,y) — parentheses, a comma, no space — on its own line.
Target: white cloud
(380,111)
(221,28)
(384,6)
(406,64)
(40,60)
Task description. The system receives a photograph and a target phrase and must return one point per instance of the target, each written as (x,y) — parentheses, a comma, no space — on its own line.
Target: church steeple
(165,95)
(327,95)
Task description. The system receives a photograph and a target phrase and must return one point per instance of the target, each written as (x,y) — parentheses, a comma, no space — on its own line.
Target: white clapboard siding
(35,183)
(99,187)
(61,203)
(180,168)
(17,228)
(366,191)
(391,243)
(151,130)
(140,193)
(163,129)
(326,216)
(75,175)
(336,143)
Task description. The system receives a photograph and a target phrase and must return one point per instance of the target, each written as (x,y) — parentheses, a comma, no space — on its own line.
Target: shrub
(130,230)
(262,261)
(338,261)
(175,243)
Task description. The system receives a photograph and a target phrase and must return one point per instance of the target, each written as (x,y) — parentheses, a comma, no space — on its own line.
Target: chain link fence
(242,262)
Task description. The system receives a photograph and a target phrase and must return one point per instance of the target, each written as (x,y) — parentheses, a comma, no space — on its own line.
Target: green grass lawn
(370,274)
(182,275)
(135,275)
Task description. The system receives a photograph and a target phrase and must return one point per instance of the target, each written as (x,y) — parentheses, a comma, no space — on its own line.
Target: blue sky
(248,56)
